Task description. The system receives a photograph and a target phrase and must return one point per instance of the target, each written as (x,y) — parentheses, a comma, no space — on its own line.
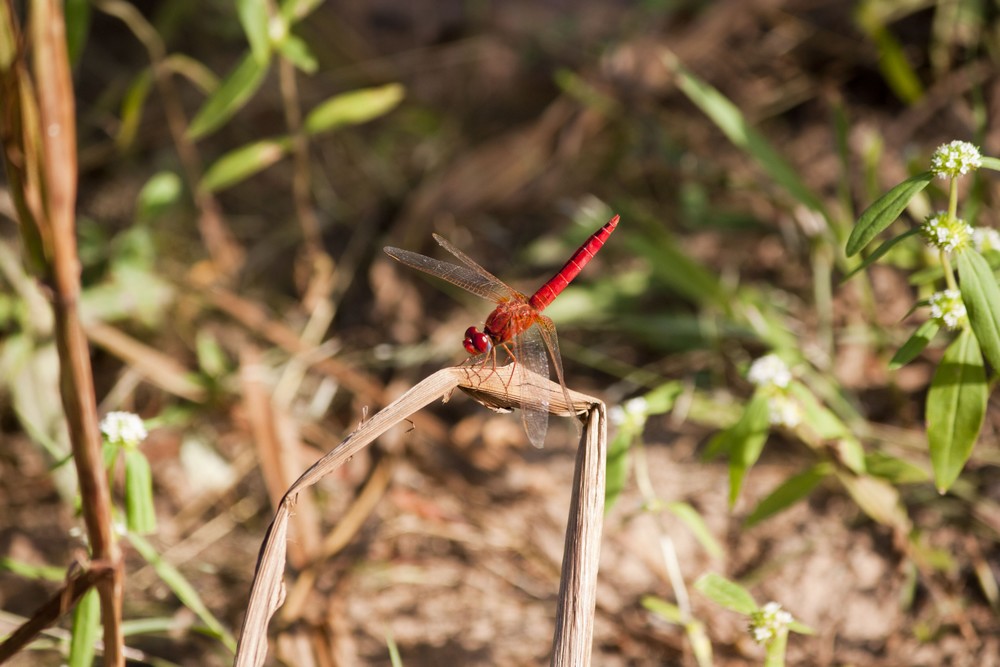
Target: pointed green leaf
(696,524)
(140,512)
(728,117)
(668,611)
(254,19)
(981,297)
(915,344)
(747,438)
(882,250)
(877,498)
(77,19)
(956,404)
(895,470)
(788,493)
(132,105)
(726,593)
(884,211)
(86,623)
(353,108)
(182,588)
(231,95)
(991,163)
(295,49)
(240,164)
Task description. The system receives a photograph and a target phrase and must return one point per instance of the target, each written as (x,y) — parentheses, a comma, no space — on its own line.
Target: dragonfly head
(477,342)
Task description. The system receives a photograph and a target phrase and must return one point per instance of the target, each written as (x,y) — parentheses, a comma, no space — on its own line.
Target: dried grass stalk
(495,389)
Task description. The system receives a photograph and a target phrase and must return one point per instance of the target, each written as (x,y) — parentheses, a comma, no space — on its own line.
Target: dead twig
(497,390)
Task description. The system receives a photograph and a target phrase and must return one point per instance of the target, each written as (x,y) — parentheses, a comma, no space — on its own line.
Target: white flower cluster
(768,621)
(945,232)
(986,238)
(124,429)
(956,158)
(769,370)
(948,309)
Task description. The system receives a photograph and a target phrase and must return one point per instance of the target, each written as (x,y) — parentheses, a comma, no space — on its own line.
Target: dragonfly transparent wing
(530,355)
(481,283)
(547,332)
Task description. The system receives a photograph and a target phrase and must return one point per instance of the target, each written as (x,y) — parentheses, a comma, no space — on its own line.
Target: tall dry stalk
(38,129)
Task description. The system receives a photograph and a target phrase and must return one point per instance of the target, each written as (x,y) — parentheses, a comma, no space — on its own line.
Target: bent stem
(496,389)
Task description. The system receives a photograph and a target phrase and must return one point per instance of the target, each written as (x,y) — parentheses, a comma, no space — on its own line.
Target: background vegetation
(241,167)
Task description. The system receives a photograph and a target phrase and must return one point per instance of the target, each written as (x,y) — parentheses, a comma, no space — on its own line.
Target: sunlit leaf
(746,441)
(726,593)
(696,524)
(353,108)
(254,19)
(296,50)
(882,250)
(241,163)
(981,296)
(884,211)
(991,163)
(788,493)
(160,193)
(140,513)
(231,95)
(915,344)
(956,405)
(132,106)
(86,624)
(731,121)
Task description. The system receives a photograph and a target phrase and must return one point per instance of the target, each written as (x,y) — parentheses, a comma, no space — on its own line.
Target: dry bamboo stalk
(496,390)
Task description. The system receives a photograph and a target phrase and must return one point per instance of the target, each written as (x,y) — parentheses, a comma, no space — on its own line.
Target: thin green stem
(953,199)
(949,273)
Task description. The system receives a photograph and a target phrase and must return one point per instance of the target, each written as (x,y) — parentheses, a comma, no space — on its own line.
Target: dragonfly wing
(507,291)
(529,350)
(547,332)
(480,283)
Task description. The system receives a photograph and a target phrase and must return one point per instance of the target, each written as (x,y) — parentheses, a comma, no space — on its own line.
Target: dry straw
(497,390)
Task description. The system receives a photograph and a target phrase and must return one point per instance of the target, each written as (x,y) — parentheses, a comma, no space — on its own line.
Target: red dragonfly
(516,325)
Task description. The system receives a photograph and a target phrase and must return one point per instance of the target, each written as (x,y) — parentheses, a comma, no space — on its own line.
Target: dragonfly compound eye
(476,342)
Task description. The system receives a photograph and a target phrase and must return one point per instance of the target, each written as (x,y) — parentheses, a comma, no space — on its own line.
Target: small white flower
(124,429)
(636,407)
(784,411)
(946,233)
(769,370)
(616,415)
(768,621)
(986,238)
(955,158)
(948,309)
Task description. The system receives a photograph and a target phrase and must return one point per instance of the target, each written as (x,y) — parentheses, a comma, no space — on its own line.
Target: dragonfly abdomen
(547,293)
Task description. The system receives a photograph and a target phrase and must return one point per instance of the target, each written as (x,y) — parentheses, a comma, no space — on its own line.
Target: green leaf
(726,593)
(882,250)
(86,623)
(231,95)
(298,52)
(132,104)
(884,211)
(160,193)
(617,466)
(696,524)
(788,493)
(182,588)
(241,163)
(140,513)
(895,470)
(991,163)
(746,441)
(665,610)
(254,19)
(77,19)
(981,297)
(353,108)
(730,120)
(915,345)
(956,404)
